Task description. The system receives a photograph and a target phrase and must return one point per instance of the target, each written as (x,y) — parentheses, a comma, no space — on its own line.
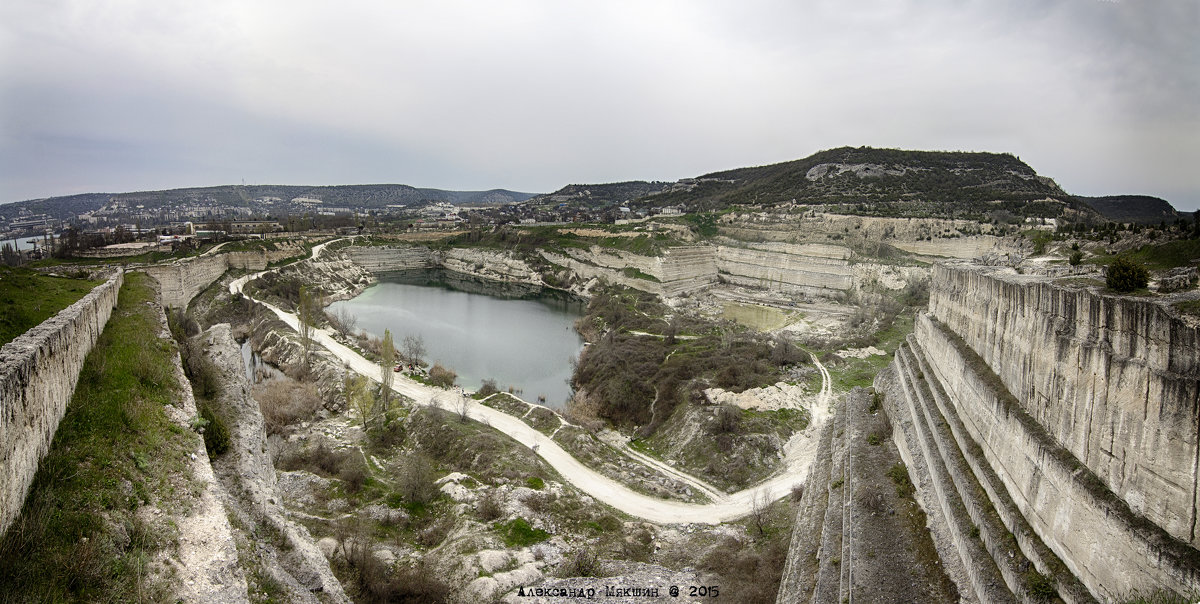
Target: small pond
(520,338)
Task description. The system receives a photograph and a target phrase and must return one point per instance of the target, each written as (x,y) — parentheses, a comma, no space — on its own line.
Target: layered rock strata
(1053,430)
(1114,380)
(38,373)
(810,269)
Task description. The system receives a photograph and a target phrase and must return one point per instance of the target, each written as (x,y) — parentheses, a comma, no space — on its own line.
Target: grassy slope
(28,298)
(80,536)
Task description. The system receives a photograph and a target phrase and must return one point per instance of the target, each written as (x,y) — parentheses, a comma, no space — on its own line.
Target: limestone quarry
(1022,435)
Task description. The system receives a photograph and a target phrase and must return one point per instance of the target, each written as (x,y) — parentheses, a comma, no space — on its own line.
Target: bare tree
(343,320)
(760,507)
(387,358)
(462,403)
(307,312)
(414,348)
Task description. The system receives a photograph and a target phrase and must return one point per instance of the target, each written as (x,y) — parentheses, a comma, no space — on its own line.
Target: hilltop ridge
(259,196)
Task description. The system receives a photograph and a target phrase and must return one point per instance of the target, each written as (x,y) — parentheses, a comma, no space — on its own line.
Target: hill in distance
(1142,209)
(884,182)
(351,196)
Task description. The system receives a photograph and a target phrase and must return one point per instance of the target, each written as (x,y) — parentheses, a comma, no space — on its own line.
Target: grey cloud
(532,95)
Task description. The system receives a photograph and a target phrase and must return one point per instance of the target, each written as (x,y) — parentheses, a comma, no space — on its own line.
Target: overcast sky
(117,95)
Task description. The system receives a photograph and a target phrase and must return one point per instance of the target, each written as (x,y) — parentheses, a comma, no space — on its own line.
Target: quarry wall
(1114,380)
(38,373)
(796,269)
(1113,550)
(1077,416)
(812,269)
(181,280)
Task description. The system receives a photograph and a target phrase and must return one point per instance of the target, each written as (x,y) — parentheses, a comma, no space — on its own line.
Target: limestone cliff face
(1066,419)
(678,270)
(490,265)
(181,280)
(1114,380)
(811,269)
(38,373)
(393,258)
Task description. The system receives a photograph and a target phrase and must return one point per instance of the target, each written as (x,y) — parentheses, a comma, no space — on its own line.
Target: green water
(520,339)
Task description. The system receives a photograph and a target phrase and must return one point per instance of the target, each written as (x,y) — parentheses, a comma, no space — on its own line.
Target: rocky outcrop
(1061,426)
(38,373)
(290,556)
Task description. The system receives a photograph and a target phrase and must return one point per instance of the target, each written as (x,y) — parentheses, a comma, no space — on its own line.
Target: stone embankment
(181,280)
(1052,430)
(856,537)
(38,373)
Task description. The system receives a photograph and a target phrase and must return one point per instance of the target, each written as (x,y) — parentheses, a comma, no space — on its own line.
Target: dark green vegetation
(1164,256)
(1142,209)
(27,298)
(1124,275)
(599,195)
(894,183)
(365,196)
(518,533)
(627,373)
(80,536)
(205,381)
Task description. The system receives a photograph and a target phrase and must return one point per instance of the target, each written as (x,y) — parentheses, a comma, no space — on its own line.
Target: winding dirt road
(799,452)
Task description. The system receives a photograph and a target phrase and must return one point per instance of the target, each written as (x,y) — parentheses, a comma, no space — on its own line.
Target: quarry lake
(520,339)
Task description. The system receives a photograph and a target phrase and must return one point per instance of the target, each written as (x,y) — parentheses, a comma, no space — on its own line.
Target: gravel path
(799,452)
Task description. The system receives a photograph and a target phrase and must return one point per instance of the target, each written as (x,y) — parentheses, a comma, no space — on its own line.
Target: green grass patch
(852,372)
(27,298)
(635,273)
(1189,307)
(518,533)
(79,537)
(1164,256)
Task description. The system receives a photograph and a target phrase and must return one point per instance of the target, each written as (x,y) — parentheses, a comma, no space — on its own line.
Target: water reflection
(517,336)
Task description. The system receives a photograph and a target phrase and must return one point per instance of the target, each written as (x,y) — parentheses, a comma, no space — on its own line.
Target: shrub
(581,562)
(899,475)
(353,475)
(285,402)
(489,507)
(216,432)
(1039,586)
(728,420)
(487,389)
(1125,275)
(416,480)
(1075,258)
(518,533)
(535,482)
(442,377)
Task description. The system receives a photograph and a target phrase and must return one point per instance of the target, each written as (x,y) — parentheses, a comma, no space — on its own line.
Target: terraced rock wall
(38,373)
(1052,430)
(1114,380)
(810,269)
